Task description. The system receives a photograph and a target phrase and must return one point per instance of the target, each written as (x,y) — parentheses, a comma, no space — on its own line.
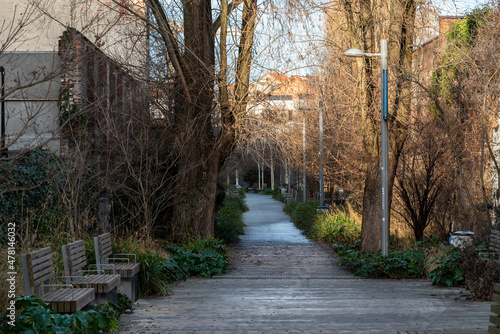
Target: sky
(460,7)
(290,53)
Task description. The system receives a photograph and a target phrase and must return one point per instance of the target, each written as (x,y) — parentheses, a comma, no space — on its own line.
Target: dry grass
(431,254)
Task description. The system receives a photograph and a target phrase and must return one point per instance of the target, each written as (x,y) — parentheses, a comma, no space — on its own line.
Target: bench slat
(75,244)
(42,274)
(40,260)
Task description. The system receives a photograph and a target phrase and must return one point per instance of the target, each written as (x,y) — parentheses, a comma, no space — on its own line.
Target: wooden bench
(129,271)
(494,327)
(38,269)
(495,241)
(290,197)
(105,285)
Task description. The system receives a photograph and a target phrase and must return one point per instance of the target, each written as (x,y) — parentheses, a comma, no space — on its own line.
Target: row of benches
(290,197)
(113,273)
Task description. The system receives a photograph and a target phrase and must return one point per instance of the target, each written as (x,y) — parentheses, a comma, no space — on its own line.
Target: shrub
(278,197)
(227,229)
(409,263)
(229,223)
(479,274)
(290,207)
(267,191)
(241,192)
(235,203)
(37,317)
(203,258)
(153,277)
(27,191)
(447,272)
(335,228)
(304,214)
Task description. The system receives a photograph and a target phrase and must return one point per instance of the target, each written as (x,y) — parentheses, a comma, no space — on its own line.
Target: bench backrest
(74,257)
(37,268)
(103,250)
(495,240)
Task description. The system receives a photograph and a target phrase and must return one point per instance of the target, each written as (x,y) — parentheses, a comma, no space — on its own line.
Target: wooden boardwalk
(282,283)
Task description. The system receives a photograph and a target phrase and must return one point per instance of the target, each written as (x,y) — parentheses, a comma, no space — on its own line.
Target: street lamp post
(321,181)
(304,191)
(304,194)
(384,142)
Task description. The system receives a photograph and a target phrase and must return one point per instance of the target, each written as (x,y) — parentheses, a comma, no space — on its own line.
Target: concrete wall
(32,86)
(25,27)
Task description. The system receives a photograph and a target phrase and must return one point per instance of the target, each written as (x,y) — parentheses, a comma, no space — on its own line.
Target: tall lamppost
(384,149)
(321,180)
(304,194)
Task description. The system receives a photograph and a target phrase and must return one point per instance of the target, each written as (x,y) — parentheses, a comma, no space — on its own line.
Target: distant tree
(423,179)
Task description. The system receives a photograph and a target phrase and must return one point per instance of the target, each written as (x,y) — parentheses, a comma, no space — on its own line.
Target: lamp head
(354,53)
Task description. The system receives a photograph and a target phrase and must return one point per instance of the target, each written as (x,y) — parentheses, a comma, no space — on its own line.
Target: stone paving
(280,282)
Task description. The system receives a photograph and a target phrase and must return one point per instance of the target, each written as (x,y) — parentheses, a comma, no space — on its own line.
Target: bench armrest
(119,259)
(103,265)
(127,254)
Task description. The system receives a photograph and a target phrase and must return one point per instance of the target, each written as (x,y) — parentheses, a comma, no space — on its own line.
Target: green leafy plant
(267,191)
(37,317)
(27,191)
(204,258)
(227,229)
(278,197)
(290,207)
(302,214)
(124,303)
(228,225)
(448,272)
(408,263)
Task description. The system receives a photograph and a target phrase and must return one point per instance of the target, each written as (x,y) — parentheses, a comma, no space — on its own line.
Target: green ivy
(460,38)
(28,191)
(31,189)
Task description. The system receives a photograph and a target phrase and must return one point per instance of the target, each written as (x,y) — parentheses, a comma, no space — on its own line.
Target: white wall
(36,25)
(32,87)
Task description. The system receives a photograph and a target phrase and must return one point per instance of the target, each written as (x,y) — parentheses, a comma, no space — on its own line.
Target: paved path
(282,283)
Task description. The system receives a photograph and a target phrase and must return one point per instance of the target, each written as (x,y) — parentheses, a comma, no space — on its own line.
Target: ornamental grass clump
(228,225)
(303,214)
(335,228)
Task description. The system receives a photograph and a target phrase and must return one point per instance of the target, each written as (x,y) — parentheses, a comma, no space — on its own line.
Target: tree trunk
(200,153)
(198,162)
(195,193)
(371,226)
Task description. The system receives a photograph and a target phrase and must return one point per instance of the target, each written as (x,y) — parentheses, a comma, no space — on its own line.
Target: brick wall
(103,96)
